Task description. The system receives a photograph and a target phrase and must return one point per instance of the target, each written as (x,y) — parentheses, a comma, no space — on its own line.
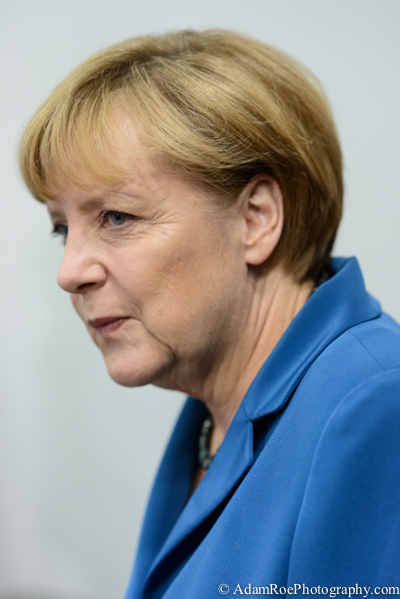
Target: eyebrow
(88,205)
(55,213)
(94,202)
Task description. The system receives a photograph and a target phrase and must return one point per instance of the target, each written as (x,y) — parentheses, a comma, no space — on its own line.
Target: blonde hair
(218,105)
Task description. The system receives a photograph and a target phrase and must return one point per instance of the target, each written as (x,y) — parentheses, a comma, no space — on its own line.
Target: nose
(81,269)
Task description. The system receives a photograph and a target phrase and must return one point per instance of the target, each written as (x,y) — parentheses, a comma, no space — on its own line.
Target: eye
(60,230)
(112,218)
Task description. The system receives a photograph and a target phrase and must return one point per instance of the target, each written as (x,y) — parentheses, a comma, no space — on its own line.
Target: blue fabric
(305,488)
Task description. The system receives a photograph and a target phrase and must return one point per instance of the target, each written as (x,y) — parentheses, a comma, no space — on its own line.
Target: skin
(195,298)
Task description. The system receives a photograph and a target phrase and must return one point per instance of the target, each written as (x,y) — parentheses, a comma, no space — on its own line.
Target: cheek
(158,274)
(192,280)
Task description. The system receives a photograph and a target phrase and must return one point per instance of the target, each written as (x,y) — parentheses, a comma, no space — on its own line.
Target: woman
(196,181)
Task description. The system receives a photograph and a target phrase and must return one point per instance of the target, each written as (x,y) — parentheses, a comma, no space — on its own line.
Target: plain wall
(77,452)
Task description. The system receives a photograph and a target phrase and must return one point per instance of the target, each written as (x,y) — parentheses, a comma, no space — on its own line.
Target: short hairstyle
(220,106)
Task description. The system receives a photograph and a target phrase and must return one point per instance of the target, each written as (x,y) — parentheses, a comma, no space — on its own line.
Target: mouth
(106,326)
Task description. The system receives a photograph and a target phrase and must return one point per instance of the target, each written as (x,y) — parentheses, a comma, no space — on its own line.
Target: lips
(106,326)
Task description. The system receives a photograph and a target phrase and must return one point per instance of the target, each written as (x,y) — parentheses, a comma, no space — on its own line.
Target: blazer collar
(337,305)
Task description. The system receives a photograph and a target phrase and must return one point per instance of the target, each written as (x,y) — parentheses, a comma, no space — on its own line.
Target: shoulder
(380,338)
(359,376)
(362,432)
(359,361)
(349,522)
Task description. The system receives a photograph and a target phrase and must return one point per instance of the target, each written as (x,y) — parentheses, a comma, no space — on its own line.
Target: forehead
(148,183)
(90,184)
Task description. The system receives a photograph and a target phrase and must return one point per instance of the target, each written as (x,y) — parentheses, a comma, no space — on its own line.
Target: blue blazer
(305,489)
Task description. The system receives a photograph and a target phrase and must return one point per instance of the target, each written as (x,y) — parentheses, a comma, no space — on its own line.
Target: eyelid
(60,229)
(106,213)
(57,232)
(56,226)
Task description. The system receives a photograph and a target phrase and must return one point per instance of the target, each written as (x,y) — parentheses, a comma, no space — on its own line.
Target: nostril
(81,288)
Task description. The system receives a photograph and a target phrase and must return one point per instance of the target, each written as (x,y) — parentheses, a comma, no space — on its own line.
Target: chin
(129,377)
(134,374)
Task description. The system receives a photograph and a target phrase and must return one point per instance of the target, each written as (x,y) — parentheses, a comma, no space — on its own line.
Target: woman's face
(156,271)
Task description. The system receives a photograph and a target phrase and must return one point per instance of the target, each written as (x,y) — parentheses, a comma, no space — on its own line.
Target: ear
(262,204)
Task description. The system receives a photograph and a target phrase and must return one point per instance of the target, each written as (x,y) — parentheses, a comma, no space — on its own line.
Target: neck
(276,298)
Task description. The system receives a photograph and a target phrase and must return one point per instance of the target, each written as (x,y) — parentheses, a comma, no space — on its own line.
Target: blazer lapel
(228,467)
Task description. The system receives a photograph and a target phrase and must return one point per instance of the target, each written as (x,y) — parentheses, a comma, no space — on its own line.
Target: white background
(77,452)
